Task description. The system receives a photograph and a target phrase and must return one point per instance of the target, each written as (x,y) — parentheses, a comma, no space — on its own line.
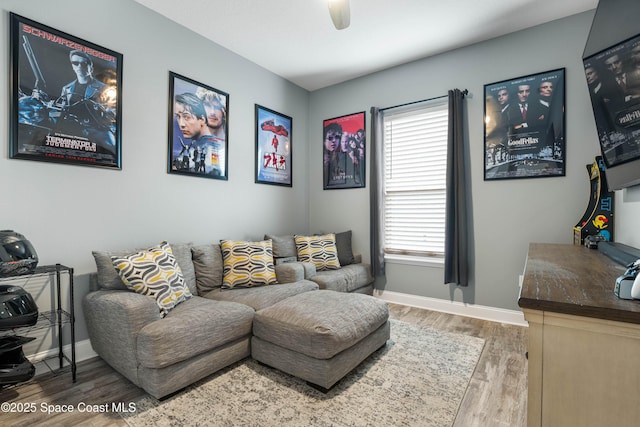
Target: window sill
(414,260)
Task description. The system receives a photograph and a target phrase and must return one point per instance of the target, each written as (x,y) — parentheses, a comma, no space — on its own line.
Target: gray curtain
(375,194)
(456,250)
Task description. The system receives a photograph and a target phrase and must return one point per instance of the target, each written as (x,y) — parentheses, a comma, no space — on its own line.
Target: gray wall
(67,211)
(507,214)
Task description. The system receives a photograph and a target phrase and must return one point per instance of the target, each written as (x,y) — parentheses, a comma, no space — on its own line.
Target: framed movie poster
(273,147)
(524,132)
(65,97)
(344,152)
(198,129)
(613,77)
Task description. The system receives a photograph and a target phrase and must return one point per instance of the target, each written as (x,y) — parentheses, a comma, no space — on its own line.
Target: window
(415,161)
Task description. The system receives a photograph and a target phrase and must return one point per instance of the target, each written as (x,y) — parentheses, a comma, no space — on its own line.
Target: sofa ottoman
(320,336)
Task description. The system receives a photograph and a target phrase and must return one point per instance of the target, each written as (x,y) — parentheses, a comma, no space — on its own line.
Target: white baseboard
(84,351)
(454,307)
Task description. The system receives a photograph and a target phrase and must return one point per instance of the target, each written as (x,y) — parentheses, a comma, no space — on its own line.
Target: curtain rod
(464,92)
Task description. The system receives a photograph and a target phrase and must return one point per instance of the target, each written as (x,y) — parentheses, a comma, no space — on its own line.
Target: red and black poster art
(344,152)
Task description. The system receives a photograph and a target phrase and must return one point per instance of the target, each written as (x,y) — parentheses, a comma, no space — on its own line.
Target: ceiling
(296,39)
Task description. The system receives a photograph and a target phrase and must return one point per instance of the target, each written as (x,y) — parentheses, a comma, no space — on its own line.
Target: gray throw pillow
(343,245)
(283,246)
(182,254)
(207,262)
(108,277)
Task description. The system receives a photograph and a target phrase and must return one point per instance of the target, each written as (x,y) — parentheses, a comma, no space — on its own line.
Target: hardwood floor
(497,392)
(496,396)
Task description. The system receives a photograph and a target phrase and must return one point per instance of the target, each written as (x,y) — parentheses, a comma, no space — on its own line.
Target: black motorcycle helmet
(17,255)
(14,366)
(17,308)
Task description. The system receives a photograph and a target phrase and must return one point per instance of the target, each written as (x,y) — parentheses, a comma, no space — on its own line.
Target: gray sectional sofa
(207,332)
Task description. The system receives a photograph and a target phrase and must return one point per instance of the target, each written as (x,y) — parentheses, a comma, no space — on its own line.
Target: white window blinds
(415,154)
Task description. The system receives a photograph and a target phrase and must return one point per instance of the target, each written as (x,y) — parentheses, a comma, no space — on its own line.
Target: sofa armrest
(309,269)
(289,272)
(114,318)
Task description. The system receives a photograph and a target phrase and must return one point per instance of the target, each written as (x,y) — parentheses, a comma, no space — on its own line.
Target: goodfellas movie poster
(524,127)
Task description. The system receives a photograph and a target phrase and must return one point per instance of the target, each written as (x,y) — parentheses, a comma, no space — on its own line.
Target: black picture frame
(66,97)
(274,147)
(525,144)
(344,161)
(198,129)
(613,78)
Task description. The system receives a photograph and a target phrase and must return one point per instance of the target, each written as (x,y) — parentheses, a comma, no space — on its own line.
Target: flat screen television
(613,77)
(612,69)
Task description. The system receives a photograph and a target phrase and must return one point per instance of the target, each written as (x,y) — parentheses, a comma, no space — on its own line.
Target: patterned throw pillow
(318,250)
(247,264)
(154,272)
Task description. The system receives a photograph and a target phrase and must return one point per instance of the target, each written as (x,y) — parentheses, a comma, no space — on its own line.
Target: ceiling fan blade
(340,13)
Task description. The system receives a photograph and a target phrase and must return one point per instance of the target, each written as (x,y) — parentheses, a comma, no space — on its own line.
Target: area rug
(418,379)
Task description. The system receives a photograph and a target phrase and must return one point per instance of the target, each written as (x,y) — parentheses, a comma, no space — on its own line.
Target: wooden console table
(584,342)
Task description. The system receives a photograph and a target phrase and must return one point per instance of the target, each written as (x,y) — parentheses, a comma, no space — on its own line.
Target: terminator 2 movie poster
(65,97)
(524,127)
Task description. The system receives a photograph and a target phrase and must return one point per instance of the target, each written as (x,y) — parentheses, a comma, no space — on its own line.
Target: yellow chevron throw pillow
(154,272)
(247,264)
(318,250)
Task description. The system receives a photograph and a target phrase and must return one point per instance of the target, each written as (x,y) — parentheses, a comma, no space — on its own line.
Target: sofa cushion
(194,327)
(318,250)
(343,246)
(262,296)
(207,262)
(247,264)
(283,246)
(154,272)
